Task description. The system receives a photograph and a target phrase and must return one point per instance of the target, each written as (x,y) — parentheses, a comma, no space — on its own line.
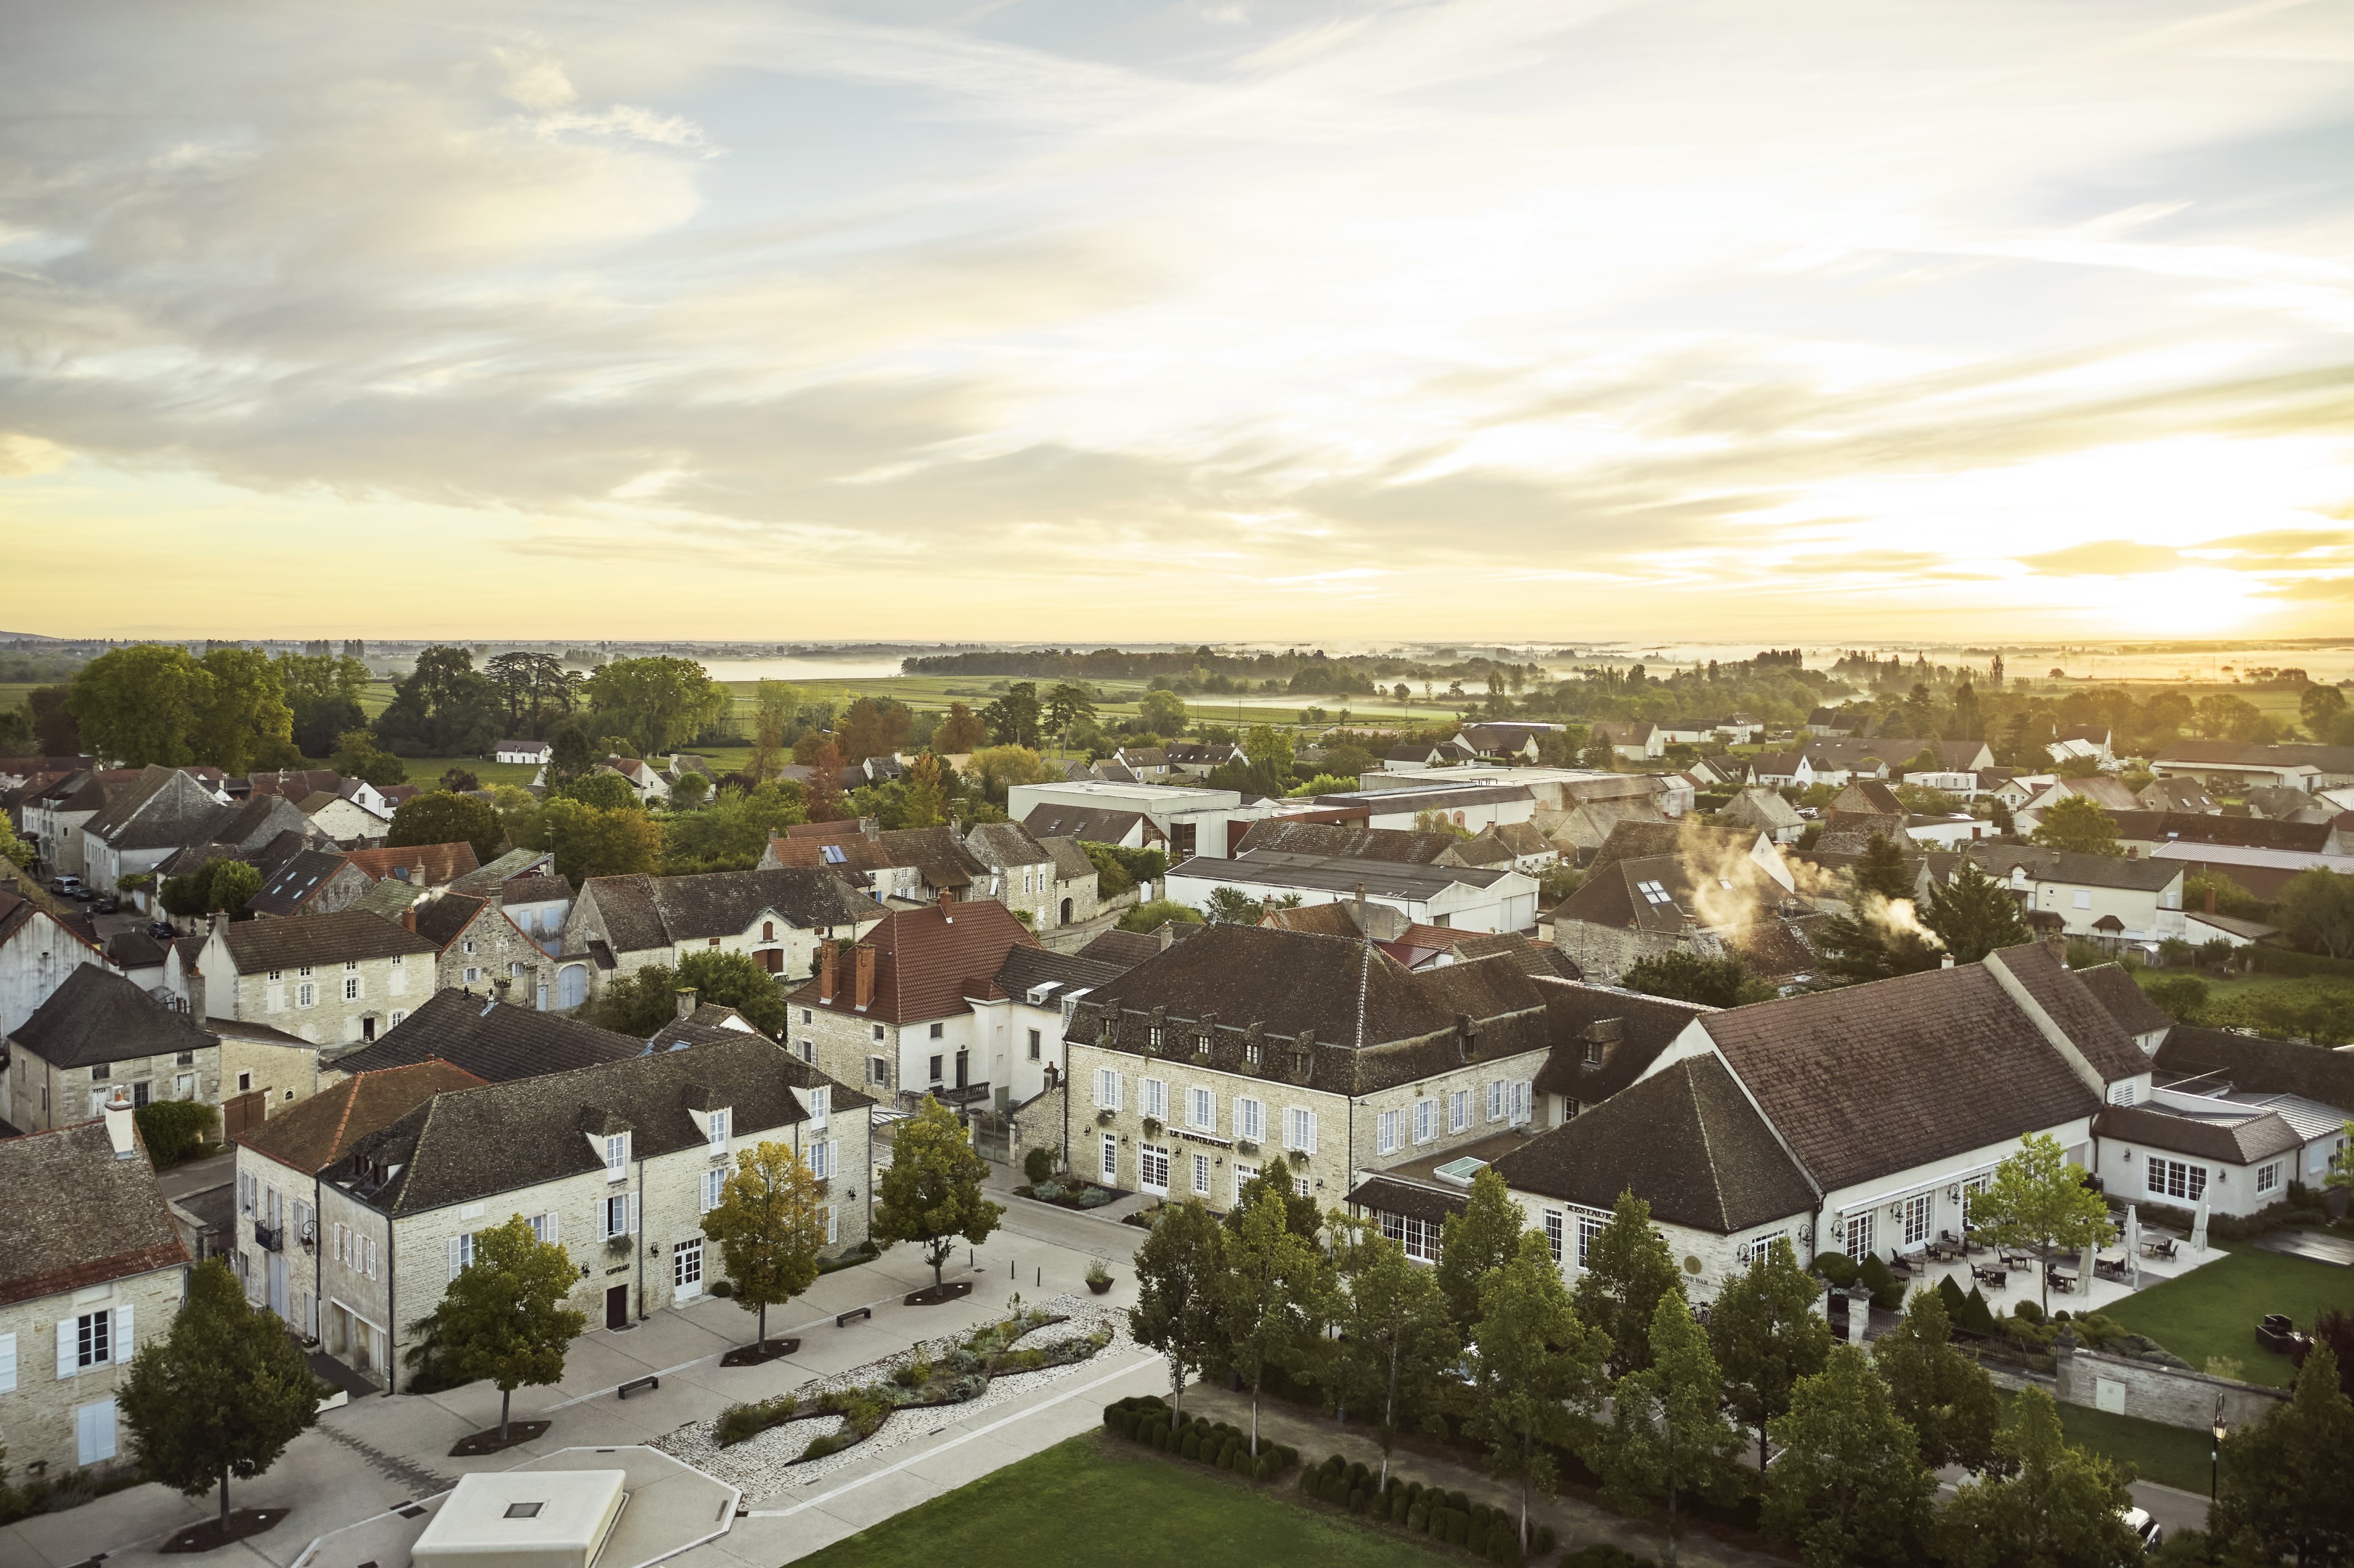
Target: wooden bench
(843,1320)
(649,1381)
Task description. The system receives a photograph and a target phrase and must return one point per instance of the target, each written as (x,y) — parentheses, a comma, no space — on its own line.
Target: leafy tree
(1269,750)
(1536,1369)
(1486,1235)
(1233,907)
(1877,942)
(1688,977)
(961,732)
(1850,1487)
(1947,1397)
(774,704)
(998,768)
(1667,1437)
(2053,1503)
(504,1318)
(2317,907)
(732,832)
(1396,1338)
(458,781)
(56,731)
(1300,1213)
(16,851)
(1973,915)
(2222,717)
(438,817)
(1162,712)
(771,1227)
(690,791)
(1880,871)
(1767,1336)
(606,791)
(1272,1296)
(572,755)
(1627,1270)
(1178,1273)
(1012,719)
(925,804)
(16,734)
(659,703)
(1067,706)
(2074,822)
(536,687)
(140,704)
(357,755)
(642,1002)
(874,728)
(222,1394)
(2038,1200)
(822,797)
(1159,913)
(443,708)
(1964,722)
(2286,1486)
(930,1192)
(228,885)
(591,842)
(243,721)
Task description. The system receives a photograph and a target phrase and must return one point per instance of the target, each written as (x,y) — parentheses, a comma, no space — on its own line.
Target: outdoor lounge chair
(2159,1247)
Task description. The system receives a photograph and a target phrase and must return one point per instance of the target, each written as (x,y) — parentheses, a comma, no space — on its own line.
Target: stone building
(1051,881)
(37,951)
(330,978)
(780,916)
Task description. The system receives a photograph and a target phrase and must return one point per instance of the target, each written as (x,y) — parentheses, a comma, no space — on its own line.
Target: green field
(2172,1455)
(1078,1503)
(2213,1311)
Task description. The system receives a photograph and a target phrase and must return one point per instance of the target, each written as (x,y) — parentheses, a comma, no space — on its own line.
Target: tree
(1627,1270)
(589,841)
(771,1226)
(774,706)
(2222,717)
(357,755)
(2036,1199)
(1012,719)
(445,707)
(1964,723)
(690,791)
(56,731)
(961,732)
(1767,1336)
(874,728)
(572,755)
(1879,941)
(16,851)
(606,791)
(998,768)
(2074,822)
(2054,1504)
(1271,1296)
(1159,913)
(1535,1371)
(926,802)
(1668,1436)
(139,704)
(1944,1396)
(2286,1486)
(1233,907)
(660,703)
(930,1192)
(2317,907)
(642,1002)
(504,1317)
(244,721)
(1301,1214)
(1269,751)
(1162,712)
(1486,1235)
(1396,1338)
(822,797)
(222,1394)
(1066,706)
(228,886)
(1688,977)
(1850,1487)
(537,688)
(1178,1271)
(1880,871)
(438,817)
(1973,915)
(733,832)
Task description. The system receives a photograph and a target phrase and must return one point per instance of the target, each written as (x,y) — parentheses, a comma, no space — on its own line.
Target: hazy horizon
(1210,320)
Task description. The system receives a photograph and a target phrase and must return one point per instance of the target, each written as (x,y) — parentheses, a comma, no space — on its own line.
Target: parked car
(109,905)
(162,931)
(2152,1533)
(65,885)
(82,895)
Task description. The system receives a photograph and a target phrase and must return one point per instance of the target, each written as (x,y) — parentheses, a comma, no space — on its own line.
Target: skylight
(1654,892)
(833,854)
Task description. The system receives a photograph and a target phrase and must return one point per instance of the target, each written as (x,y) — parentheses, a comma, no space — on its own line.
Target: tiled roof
(1389,1196)
(255,946)
(2249,1064)
(1277,835)
(76,1217)
(1395,878)
(1882,1077)
(296,784)
(2124,1000)
(2255,832)
(2240,1142)
(1129,948)
(314,1134)
(442,920)
(513,864)
(1071,862)
(1026,967)
(130,949)
(297,883)
(1088,824)
(534,890)
(644,912)
(2069,865)
(924,958)
(1686,1141)
(1005,843)
(1627,1029)
(96,1015)
(439,863)
(2088,1021)
(938,852)
(1435,798)
(165,808)
(475,1143)
(492,1040)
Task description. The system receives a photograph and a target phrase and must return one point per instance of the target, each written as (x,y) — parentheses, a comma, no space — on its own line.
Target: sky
(1006,320)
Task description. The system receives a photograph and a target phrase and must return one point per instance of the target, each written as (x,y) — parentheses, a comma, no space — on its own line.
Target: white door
(94,1432)
(1152,1168)
(1111,1160)
(1244,1176)
(571,985)
(686,1269)
(278,1282)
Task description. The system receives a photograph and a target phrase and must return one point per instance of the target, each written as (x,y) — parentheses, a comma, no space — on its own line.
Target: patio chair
(2159,1247)
(2110,1268)
(2063,1282)
(1992,1278)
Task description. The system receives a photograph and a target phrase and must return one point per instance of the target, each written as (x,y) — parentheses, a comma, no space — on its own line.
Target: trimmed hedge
(1144,1418)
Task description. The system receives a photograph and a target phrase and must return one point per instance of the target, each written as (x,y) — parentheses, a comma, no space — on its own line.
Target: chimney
(2211,898)
(119,1129)
(1168,934)
(409,919)
(1946,962)
(686,1001)
(948,905)
(873,828)
(827,960)
(866,957)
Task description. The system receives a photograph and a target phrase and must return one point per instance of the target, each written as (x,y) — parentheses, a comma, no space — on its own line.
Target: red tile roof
(442,863)
(926,962)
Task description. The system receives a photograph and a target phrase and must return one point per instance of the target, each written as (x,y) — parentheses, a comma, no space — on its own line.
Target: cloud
(24,457)
(2105,558)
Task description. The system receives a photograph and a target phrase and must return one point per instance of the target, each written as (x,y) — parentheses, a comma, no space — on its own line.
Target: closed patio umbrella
(2133,1244)
(2199,1224)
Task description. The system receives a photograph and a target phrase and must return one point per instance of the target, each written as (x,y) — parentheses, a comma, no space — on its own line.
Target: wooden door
(243,1112)
(617,1307)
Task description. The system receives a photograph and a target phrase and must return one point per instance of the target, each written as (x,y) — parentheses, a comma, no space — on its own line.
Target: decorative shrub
(1544,1539)
(1038,1164)
(174,1130)
(1418,1519)
(1873,1276)
(1836,1268)
(2029,1308)
(723,1288)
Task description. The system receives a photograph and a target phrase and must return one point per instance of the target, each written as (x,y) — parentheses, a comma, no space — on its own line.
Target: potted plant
(1098,1278)
(1153,1127)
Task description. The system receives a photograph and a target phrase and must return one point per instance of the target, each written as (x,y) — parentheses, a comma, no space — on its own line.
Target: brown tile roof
(1278,836)
(1629,1028)
(76,1217)
(644,912)
(924,959)
(1129,948)
(1089,824)
(2114,989)
(938,852)
(440,863)
(96,1015)
(2087,1022)
(2250,1064)
(2241,1142)
(1389,1196)
(255,946)
(313,1135)
(2197,828)
(1881,1078)
(492,1040)
(444,920)
(1686,1141)
(297,883)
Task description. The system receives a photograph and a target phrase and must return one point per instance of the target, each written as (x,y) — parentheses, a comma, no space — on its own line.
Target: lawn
(1076,1503)
(2172,1455)
(2213,1311)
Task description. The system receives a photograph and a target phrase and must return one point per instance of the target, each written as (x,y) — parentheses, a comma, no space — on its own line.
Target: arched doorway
(571,985)
(1064,918)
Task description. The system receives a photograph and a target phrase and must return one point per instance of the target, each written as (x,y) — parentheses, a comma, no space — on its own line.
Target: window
(275,973)
(2175,1178)
(714,1185)
(1201,1175)
(306,995)
(616,1215)
(1860,1234)
(686,1267)
(473,975)
(1653,893)
(1244,1176)
(468,946)
(1152,1168)
(936,1031)
(1300,1129)
(1496,1100)
(1589,1228)
(244,1082)
(878,1031)
(1250,1118)
(1756,1247)
(936,1067)
(1107,1087)
(2122,1094)
(94,1432)
(1419,1239)
(1034,1045)
(543,1228)
(805,1015)
(878,1071)
(2083,898)
(1388,1131)
(821,1105)
(304,971)
(1110,1165)
(1524,1095)
(1594,1052)
(1556,1223)
(1425,1120)
(185,1059)
(351,963)
(617,1156)
(102,1072)
(93,1340)
(461,1253)
(1459,1110)
(1201,1111)
(2267,1177)
(1156,1099)
(1917,1219)
(715,1131)
(820,1159)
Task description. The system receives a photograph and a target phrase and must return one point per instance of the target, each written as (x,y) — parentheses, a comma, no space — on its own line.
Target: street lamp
(2215,1455)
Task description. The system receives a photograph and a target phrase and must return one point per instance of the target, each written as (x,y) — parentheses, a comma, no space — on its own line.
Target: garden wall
(2148,1392)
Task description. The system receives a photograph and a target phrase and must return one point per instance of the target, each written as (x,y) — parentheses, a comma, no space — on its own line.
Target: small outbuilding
(523,1518)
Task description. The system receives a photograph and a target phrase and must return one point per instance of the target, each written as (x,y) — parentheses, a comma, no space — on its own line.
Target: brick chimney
(828,970)
(865,993)
(948,905)
(685,1001)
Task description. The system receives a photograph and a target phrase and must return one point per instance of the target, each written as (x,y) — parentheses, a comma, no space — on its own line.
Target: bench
(649,1381)
(843,1320)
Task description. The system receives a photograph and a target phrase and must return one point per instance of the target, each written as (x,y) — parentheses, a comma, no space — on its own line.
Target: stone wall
(1038,1123)
(2168,1396)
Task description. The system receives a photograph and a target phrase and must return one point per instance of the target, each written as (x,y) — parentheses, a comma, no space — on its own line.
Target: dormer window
(617,1156)
(1594,1052)
(821,1103)
(715,1128)
(351,963)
